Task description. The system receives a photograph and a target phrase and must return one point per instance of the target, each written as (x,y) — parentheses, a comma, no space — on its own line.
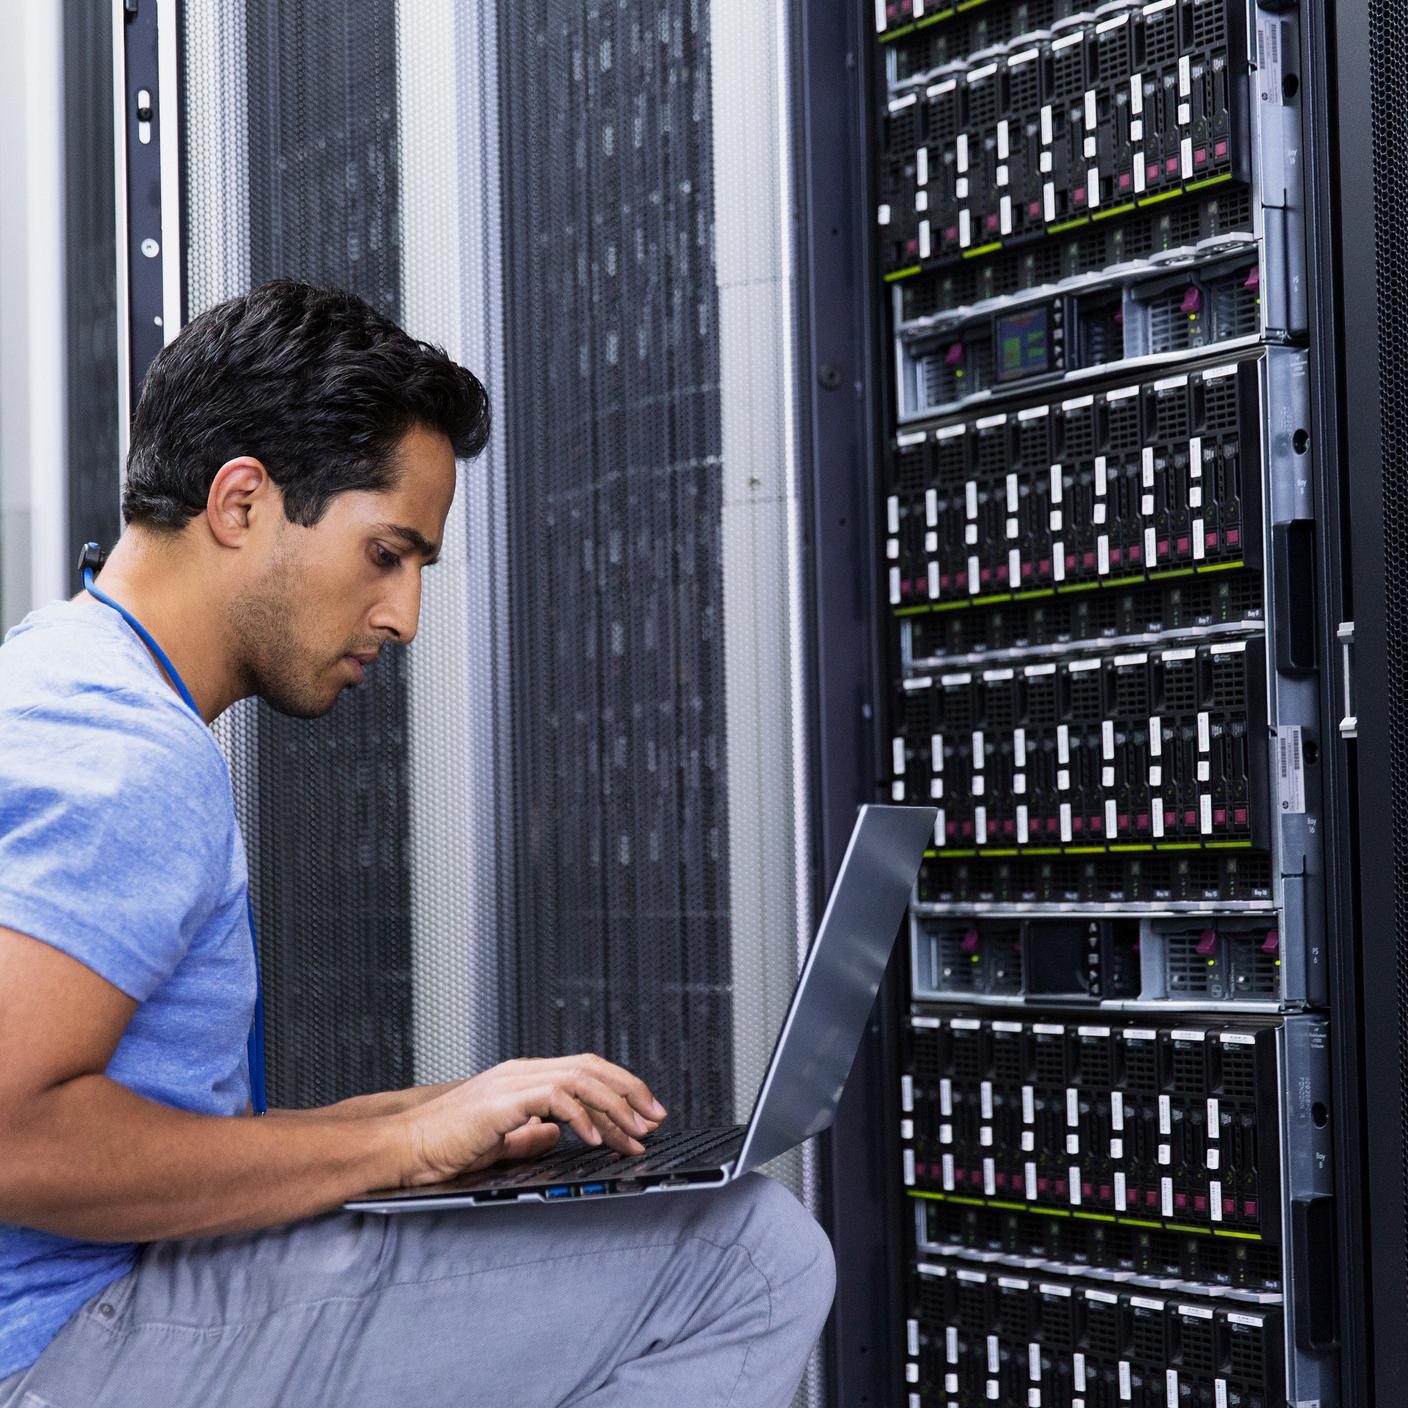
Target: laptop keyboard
(663,1153)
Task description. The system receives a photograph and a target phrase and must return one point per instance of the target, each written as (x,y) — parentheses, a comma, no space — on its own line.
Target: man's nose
(398,613)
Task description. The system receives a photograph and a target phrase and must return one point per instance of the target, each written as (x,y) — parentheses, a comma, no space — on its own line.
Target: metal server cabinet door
(839,427)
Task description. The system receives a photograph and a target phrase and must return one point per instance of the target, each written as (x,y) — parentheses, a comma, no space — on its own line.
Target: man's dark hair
(312,382)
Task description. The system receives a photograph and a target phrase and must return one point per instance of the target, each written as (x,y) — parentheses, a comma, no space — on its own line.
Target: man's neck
(160,584)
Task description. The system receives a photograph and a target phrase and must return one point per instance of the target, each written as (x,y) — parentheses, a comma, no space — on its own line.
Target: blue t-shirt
(119,847)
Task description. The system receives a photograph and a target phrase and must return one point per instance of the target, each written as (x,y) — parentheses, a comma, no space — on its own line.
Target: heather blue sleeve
(114,846)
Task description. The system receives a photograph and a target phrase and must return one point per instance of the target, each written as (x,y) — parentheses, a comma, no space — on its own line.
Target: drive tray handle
(1313,1279)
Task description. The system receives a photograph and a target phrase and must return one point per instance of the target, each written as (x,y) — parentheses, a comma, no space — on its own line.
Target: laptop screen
(842,974)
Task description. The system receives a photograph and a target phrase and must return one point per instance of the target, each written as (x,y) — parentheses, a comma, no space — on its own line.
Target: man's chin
(303,708)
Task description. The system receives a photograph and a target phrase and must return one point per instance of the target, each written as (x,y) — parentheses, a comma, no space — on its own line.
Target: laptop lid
(834,995)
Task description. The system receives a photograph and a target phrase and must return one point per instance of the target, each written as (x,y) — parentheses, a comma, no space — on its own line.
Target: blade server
(1095,553)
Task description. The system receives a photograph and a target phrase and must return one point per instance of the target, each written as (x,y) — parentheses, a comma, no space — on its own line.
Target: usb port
(587,1189)
(561,1192)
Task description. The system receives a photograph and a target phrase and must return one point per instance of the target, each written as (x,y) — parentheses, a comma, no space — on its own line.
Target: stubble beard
(261,622)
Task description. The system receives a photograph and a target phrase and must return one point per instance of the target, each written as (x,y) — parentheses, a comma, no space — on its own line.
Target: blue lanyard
(258,1096)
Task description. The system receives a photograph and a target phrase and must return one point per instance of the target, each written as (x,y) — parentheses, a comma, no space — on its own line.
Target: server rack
(1095,555)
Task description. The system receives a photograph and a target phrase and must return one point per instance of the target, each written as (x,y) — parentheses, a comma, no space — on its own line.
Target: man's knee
(792,1250)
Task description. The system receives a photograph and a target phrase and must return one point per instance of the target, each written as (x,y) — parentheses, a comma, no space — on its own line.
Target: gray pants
(684,1300)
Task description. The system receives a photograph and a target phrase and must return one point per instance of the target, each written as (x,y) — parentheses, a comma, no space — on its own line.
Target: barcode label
(1268,45)
(1290,770)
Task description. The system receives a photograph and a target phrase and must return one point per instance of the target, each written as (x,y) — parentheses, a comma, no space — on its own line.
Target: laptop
(804,1078)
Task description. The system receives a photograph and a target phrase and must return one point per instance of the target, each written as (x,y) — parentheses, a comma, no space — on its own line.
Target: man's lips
(359,665)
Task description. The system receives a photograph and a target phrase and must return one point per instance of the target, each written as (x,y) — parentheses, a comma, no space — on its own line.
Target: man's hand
(514,1110)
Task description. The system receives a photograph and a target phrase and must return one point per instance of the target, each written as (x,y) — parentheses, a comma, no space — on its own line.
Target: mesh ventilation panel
(90,278)
(1388,81)
(615,435)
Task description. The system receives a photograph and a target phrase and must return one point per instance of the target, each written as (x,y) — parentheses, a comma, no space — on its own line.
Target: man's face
(329,597)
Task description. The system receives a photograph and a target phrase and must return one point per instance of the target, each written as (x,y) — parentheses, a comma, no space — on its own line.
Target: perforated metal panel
(1388,29)
(615,433)
(90,259)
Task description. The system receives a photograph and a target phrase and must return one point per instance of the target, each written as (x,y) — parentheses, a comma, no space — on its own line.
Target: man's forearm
(361,1107)
(90,1159)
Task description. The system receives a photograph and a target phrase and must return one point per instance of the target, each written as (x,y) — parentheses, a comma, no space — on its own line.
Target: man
(291,470)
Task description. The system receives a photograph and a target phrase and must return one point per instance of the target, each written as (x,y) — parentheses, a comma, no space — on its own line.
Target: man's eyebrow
(417,542)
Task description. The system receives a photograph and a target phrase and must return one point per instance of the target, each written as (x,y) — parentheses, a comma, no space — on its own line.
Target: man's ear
(240,494)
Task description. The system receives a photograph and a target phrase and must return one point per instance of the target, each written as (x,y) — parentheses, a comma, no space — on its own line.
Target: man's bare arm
(82,1156)
(362,1107)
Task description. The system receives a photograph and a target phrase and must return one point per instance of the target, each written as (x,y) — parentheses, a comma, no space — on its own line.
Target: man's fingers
(603,1100)
(571,1091)
(618,1138)
(566,1109)
(598,1113)
(610,1113)
(520,1097)
(631,1087)
(530,1141)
